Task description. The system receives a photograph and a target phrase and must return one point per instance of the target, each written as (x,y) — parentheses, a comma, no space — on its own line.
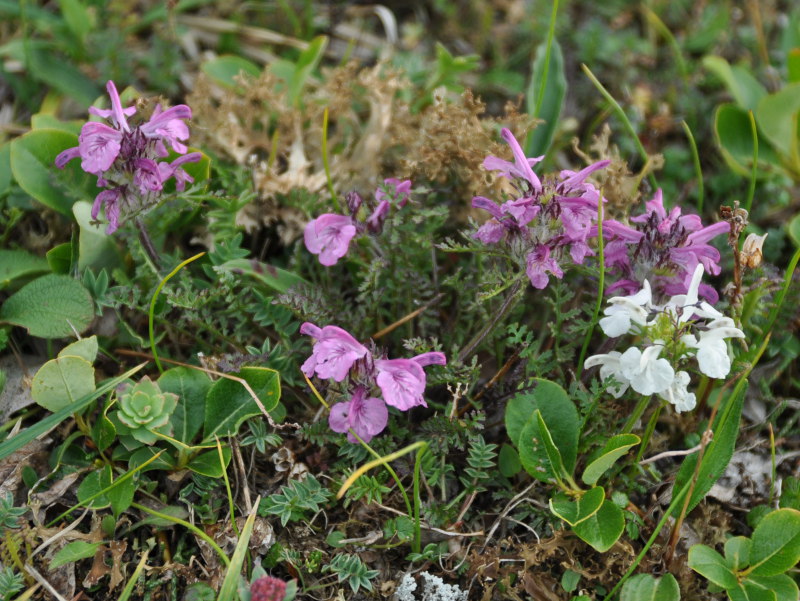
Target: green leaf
(603,528)
(559,414)
(508,461)
(577,509)
(62,381)
(15,443)
(85,348)
(224,69)
(50,307)
(5,168)
(78,18)
(19,263)
(718,452)
(92,484)
(33,165)
(746,90)
(103,433)
(615,448)
(228,403)
(165,462)
(72,552)
(793,229)
(711,565)
(50,68)
(553,100)
(780,587)
(737,552)
(734,136)
(306,63)
(274,278)
(644,587)
(48,121)
(228,590)
(174,511)
(191,386)
(776,543)
(121,496)
(96,249)
(793,65)
(208,463)
(59,258)
(776,116)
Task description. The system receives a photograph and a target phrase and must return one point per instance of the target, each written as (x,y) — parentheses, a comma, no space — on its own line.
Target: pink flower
(173,169)
(168,126)
(333,354)
(99,147)
(539,263)
(402,381)
(109,201)
(268,588)
(147,176)
(520,168)
(401,191)
(117,115)
(366,417)
(329,237)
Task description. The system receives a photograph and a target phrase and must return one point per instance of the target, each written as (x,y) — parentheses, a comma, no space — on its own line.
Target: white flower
(609,366)
(678,393)
(712,350)
(625,311)
(689,305)
(646,373)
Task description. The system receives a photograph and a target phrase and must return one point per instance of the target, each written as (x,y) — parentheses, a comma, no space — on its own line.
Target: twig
(406,318)
(41,580)
(508,508)
(666,454)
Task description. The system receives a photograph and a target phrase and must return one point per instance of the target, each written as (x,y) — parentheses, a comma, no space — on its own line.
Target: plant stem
(600,284)
(641,405)
(505,309)
(147,243)
(651,426)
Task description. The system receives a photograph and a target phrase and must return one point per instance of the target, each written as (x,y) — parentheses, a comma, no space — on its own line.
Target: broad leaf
(94,483)
(711,565)
(780,587)
(776,543)
(85,348)
(737,552)
(225,69)
(615,448)
(208,463)
(50,307)
(72,552)
(603,528)
(191,386)
(559,414)
(577,509)
(734,135)
(33,158)
(644,587)
(19,263)
(228,402)
(62,381)
(777,118)
(746,90)
(96,249)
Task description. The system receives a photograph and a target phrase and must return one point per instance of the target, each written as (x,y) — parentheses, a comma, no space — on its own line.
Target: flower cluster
(664,248)
(547,221)
(329,235)
(682,329)
(401,382)
(126,158)
(268,588)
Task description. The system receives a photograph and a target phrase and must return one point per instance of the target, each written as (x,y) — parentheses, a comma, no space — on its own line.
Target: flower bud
(751,255)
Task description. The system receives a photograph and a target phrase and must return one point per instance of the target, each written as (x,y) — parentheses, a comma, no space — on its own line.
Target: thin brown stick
(406,318)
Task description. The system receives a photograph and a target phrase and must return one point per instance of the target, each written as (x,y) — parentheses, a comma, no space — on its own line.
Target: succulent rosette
(145,410)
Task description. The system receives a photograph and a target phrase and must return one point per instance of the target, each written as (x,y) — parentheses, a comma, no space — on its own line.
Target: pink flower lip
(329,237)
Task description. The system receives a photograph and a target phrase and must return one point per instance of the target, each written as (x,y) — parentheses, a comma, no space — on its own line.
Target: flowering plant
(127,159)
(684,328)
(401,382)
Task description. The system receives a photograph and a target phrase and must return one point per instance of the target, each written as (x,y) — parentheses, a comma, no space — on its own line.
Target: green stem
(651,426)
(151,312)
(195,530)
(625,122)
(231,508)
(325,162)
(697,169)
(751,191)
(389,469)
(641,405)
(550,35)
(417,544)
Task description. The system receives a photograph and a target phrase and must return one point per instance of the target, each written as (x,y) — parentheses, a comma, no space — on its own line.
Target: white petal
(712,358)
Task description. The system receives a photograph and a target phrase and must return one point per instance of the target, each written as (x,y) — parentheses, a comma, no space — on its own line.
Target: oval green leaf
(615,448)
(553,99)
(191,386)
(50,307)
(72,552)
(776,116)
(33,158)
(575,510)
(603,528)
(208,463)
(776,543)
(712,566)
(19,263)
(228,402)
(644,587)
(62,381)
(85,348)
(225,69)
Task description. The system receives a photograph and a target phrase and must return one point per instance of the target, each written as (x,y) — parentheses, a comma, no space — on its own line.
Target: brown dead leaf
(99,568)
(540,586)
(118,548)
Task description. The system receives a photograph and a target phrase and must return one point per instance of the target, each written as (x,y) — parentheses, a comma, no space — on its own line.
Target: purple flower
(109,201)
(375,221)
(538,264)
(664,248)
(366,416)
(520,168)
(329,237)
(124,156)
(402,381)
(402,190)
(334,352)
